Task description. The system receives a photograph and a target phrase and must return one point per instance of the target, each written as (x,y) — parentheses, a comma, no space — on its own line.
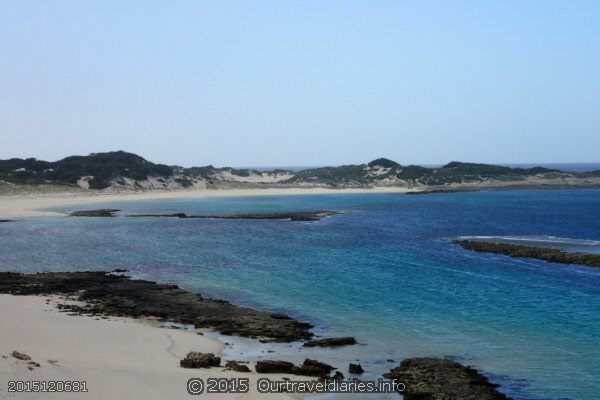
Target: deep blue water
(382,272)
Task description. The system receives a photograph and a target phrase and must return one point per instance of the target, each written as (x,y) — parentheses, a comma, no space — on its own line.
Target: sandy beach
(32,204)
(119,358)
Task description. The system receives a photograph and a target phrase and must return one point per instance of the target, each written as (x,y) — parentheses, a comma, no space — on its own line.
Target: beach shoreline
(117,357)
(112,376)
(31,201)
(32,204)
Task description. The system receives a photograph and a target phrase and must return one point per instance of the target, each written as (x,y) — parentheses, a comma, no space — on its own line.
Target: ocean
(385,272)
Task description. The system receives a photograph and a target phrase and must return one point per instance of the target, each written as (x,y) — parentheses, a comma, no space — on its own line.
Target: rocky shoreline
(113,294)
(117,295)
(424,378)
(538,253)
(440,379)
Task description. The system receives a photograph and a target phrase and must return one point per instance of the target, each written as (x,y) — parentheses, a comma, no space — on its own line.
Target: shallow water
(382,272)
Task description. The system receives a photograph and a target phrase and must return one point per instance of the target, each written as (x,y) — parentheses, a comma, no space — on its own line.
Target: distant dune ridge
(123,170)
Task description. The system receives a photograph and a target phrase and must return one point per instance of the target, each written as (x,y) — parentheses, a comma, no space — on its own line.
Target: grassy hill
(385,170)
(122,169)
(102,167)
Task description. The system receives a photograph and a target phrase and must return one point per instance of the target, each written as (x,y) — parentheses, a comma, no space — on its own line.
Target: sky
(302,83)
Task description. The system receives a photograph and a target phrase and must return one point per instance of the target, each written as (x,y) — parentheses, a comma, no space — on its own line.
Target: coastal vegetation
(121,169)
(102,168)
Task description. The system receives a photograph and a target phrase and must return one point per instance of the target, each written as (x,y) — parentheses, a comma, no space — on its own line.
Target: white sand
(30,205)
(119,358)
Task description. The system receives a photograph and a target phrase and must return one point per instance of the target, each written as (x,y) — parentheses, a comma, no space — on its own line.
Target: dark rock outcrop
(20,356)
(117,295)
(292,216)
(331,342)
(338,376)
(308,368)
(174,215)
(237,366)
(539,253)
(104,212)
(355,369)
(440,191)
(313,368)
(309,216)
(440,379)
(274,367)
(196,359)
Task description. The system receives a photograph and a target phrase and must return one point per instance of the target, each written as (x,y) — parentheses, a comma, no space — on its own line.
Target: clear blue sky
(264,83)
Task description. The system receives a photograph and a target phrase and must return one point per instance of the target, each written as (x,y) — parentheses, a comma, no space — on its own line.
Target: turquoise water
(382,272)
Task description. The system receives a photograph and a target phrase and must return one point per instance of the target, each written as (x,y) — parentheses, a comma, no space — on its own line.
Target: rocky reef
(103,212)
(440,379)
(292,216)
(539,253)
(117,295)
(308,368)
(307,216)
(439,191)
(331,342)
